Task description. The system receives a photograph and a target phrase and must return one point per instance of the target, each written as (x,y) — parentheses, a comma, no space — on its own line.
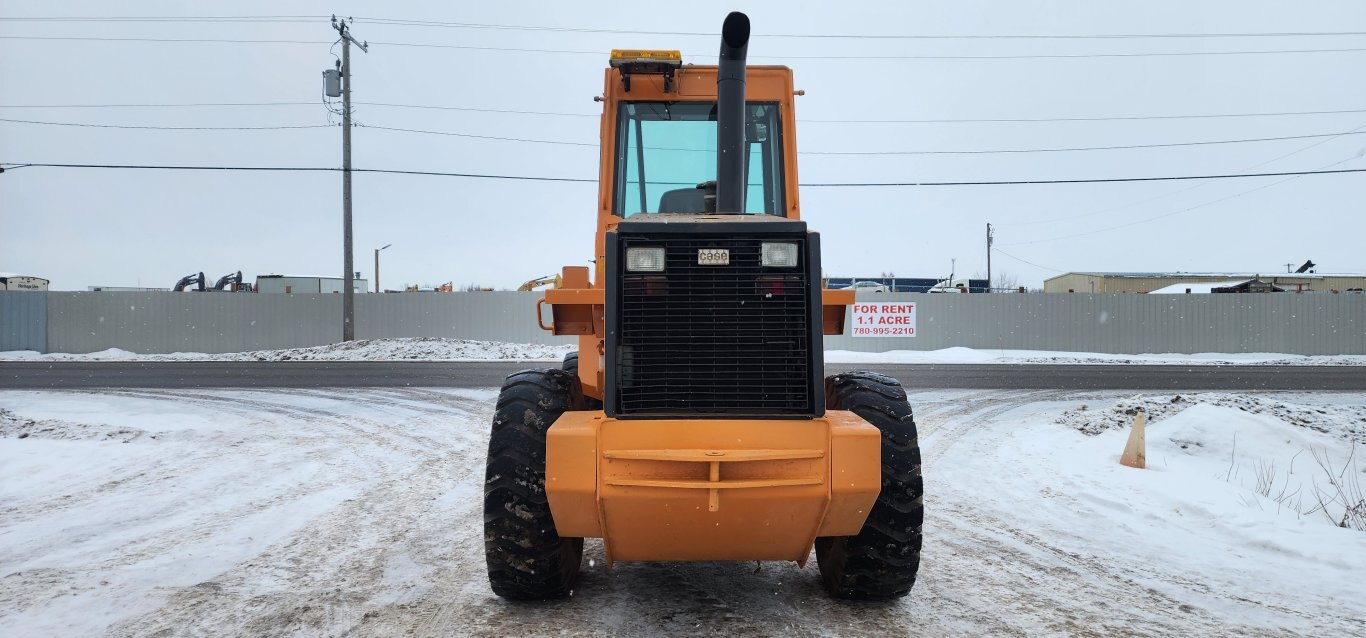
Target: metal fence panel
(157,322)
(23,321)
(1317,324)
(1109,323)
(487,316)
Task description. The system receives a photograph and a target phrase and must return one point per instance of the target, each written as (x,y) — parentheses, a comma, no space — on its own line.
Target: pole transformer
(348,265)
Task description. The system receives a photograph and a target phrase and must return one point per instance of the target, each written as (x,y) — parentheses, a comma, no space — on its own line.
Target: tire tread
(881,561)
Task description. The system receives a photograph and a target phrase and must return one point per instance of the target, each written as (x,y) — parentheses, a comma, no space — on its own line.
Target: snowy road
(357,512)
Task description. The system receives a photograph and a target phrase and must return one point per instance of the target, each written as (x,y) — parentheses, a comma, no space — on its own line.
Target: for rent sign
(887,319)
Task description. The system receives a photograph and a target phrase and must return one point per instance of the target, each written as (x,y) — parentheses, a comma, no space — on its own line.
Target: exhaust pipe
(730,115)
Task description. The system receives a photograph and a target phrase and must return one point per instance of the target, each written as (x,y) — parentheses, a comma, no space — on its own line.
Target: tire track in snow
(405,555)
(331,575)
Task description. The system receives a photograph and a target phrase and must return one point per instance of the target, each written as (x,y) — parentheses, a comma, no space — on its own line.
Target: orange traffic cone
(1135,451)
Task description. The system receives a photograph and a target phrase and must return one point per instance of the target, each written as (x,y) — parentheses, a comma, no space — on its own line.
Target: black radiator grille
(729,339)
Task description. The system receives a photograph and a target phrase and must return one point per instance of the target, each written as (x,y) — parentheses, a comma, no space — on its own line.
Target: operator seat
(682,200)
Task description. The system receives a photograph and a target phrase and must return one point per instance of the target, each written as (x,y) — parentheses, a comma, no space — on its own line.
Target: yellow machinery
(695,421)
(548,280)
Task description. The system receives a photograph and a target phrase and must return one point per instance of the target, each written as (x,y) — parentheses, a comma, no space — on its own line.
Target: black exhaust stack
(730,115)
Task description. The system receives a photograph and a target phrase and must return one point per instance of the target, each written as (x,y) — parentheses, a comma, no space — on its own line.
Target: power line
(1042,56)
(1025,261)
(866,36)
(302,169)
(520,27)
(162,105)
(1109,180)
(17,165)
(709,55)
(1287,177)
(194,40)
(486,110)
(595,145)
(1086,148)
(1033,56)
(1197,185)
(1107,118)
(167,128)
(1157,217)
(220,19)
(481,137)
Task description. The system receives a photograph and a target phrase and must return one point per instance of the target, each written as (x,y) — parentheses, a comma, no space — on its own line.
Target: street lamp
(377,288)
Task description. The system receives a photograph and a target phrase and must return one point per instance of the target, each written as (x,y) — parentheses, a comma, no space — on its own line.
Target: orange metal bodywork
(577,305)
(699,489)
(679,489)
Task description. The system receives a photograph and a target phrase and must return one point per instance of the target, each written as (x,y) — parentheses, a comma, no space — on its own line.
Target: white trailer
(13,281)
(291,284)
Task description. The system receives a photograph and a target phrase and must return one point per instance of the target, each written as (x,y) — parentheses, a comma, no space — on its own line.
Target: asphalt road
(313,374)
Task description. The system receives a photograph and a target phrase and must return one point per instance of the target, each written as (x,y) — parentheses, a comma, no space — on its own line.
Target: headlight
(779,255)
(645,259)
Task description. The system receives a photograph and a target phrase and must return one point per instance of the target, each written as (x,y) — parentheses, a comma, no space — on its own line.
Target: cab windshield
(666,149)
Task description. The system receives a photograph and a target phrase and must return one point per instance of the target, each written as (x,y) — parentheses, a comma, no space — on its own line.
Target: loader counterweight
(677,489)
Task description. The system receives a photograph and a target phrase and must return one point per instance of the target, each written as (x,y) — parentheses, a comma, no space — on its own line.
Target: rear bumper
(678,489)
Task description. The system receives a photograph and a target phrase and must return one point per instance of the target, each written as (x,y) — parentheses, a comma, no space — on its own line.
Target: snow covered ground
(434,349)
(357,512)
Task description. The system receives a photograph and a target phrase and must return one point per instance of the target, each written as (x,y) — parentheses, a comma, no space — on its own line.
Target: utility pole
(377,288)
(348,267)
(988,256)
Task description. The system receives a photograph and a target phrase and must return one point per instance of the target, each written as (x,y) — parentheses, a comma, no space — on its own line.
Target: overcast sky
(128,228)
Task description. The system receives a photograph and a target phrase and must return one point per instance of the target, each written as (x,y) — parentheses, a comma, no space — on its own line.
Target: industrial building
(1144,282)
(13,281)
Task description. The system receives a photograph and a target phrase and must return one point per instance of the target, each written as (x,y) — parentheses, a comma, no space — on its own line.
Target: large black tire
(527,559)
(881,562)
(571,365)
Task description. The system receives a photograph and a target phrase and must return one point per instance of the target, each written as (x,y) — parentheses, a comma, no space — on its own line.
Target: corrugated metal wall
(490,316)
(23,321)
(223,322)
(1131,324)
(147,322)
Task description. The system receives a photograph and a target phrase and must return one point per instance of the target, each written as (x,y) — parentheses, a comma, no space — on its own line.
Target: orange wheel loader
(695,421)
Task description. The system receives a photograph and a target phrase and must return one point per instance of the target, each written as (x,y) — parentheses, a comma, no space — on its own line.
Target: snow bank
(436,349)
(1230,500)
(1287,457)
(1343,422)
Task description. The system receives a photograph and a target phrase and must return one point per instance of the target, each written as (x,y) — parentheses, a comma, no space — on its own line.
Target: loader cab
(666,156)
(659,134)
(699,162)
